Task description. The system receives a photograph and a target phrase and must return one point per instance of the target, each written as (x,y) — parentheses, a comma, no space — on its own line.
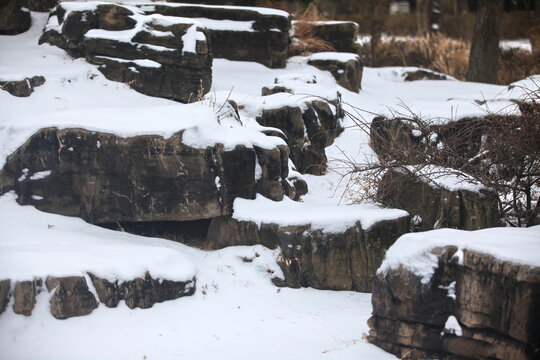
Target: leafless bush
(500,152)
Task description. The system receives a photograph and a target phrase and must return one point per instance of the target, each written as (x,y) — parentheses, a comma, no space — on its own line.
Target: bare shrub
(501,152)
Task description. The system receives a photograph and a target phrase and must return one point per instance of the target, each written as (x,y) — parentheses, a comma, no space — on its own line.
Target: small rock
(5,287)
(22,88)
(71,297)
(25,296)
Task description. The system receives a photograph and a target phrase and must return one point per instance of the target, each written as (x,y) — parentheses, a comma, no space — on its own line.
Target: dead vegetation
(304,41)
(500,152)
(450,56)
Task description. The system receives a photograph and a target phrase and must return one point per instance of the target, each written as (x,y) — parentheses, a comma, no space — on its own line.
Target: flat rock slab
(457,294)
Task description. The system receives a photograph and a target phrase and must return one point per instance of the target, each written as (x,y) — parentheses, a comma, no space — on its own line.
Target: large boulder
(104,178)
(437,200)
(239,33)
(311,257)
(156,55)
(309,128)
(346,68)
(473,305)
(14,19)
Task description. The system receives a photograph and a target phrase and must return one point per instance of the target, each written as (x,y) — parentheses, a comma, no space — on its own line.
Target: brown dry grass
(304,41)
(449,56)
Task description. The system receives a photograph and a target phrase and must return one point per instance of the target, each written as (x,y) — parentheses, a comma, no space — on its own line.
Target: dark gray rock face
(163,57)
(312,258)
(341,34)
(141,292)
(438,207)
(424,75)
(71,297)
(103,178)
(266,41)
(39,5)
(308,129)
(494,302)
(13,18)
(347,73)
(5,288)
(22,88)
(25,296)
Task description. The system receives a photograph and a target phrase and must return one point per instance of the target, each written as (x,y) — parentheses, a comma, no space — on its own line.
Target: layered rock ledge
(157,55)
(325,247)
(450,294)
(78,273)
(104,178)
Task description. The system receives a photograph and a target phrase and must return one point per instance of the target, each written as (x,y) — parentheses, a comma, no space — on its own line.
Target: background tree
(484,56)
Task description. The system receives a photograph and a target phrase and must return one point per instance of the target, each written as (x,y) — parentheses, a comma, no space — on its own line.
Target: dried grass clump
(433,51)
(449,56)
(304,42)
(517,64)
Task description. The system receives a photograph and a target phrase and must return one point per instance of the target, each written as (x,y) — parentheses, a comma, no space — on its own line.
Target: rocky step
(457,294)
(324,247)
(72,295)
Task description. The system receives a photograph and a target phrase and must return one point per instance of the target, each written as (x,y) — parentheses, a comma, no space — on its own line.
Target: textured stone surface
(5,289)
(342,35)
(25,296)
(144,293)
(141,292)
(494,302)
(13,18)
(156,65)
(308,129)
(266,42)
(22,88)
(39,5)
(103,178)
(312,258)
(347,73)
(422,74)
(71,297)
(438,207)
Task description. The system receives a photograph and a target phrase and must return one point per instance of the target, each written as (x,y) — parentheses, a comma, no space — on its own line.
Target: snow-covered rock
(458,293)
(346,68)
(155,54)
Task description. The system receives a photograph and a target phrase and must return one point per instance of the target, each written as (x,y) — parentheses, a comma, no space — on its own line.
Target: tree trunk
(484,57)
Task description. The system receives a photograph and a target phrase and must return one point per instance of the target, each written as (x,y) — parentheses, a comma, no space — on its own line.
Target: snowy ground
(240,314)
